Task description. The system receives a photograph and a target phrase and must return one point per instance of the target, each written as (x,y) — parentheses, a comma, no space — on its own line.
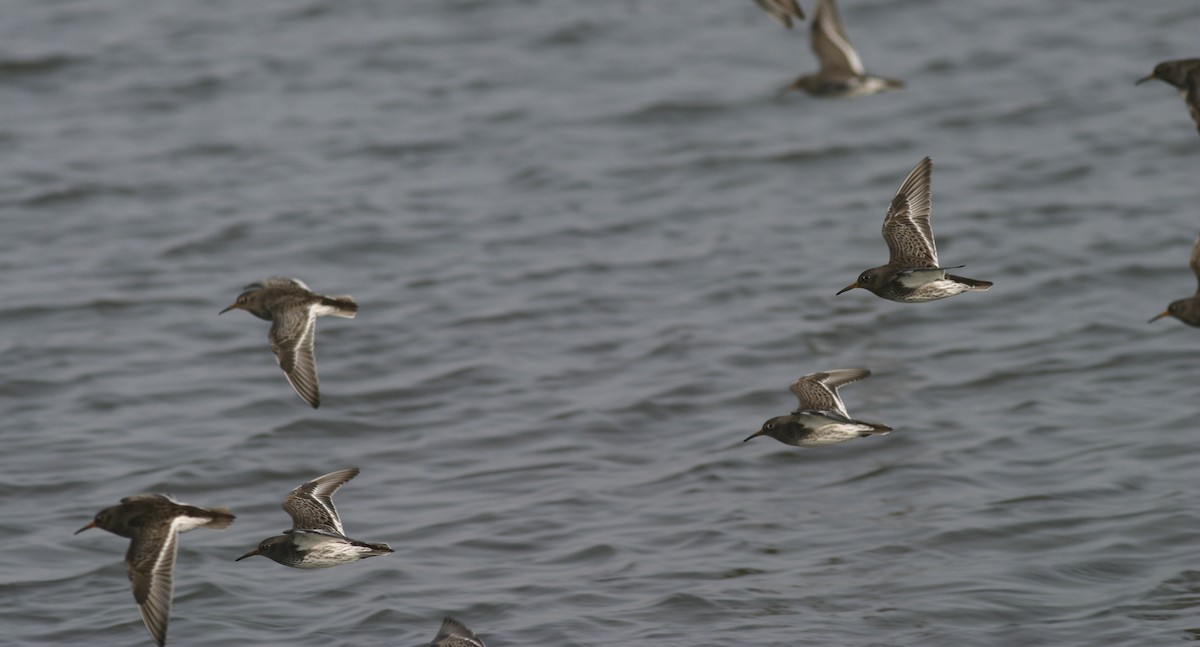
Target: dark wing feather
(292,335)
(150,562)
(1191,95)
(1194,263)
(782,11)
(828,40)
(906,227)
(455,634)
(819,391)
(311,505)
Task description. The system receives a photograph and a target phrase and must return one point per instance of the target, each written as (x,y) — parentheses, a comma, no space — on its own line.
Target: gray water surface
(592,248)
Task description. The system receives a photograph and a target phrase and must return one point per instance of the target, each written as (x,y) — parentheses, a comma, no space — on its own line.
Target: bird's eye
(241,299)
(770,425)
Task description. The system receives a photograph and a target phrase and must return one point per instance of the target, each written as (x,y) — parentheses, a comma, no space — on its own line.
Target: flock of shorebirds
(913,274)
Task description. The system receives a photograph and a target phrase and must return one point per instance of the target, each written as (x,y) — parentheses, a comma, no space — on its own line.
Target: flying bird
(912,273)
(316,539)
(292,308)
(1187,310)
(821,418)
(841,73)
(1184,75)
(152,523)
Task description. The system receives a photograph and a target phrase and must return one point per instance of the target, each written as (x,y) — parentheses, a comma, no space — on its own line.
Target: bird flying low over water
(841,73)
(912,273)
(1187,310)
(292,308)
(316,539)
(821,418)
(1184,75)
(152,522)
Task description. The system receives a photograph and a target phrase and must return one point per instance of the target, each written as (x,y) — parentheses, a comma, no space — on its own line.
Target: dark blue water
(591,250)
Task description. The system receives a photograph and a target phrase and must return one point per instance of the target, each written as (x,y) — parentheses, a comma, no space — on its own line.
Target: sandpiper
(455,634)
(821,418)
(1184,75)
(316,539)
(841,73)
(293,310)
(782,11)
(153,522)
(1187,310)
(912,274)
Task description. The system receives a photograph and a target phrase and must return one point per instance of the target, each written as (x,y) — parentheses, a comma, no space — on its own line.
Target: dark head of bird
(1185,310)
(269,547)
(1173,72)
(108,519)
(252,301)
(872,279)
(775,427)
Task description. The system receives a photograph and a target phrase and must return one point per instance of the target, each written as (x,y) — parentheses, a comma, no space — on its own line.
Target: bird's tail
(340,306)
(373,549)
(971,284)
(221,518)
(876,428)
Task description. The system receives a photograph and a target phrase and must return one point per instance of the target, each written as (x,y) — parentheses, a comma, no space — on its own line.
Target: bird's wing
(828,40)
(455,634)
(1191,95)
(906,227)
(311,505)
(1194,263)
(279,282)
(782,11)
(292,335)
(150,562)
(819,391)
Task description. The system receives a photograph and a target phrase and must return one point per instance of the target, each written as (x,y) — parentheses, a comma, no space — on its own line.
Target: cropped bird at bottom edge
(1184,76)
(1186,310)
(455,634)
(821,417)
(152,523)
(840,74)
(316,539)
(912,273)
(293,310)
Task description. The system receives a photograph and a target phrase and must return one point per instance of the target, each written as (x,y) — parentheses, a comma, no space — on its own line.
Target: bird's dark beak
(90,525)
(849,287)
(1164,313)
(784,91)
(754,435)
(249,554)
(229,308)
(1144,79)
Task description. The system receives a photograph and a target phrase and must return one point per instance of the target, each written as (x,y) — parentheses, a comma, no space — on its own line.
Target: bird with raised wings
(840,73)
(912,273)
(821,418)
(316,538)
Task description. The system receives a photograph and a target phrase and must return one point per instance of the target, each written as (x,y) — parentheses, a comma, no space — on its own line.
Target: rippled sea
(592,248)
